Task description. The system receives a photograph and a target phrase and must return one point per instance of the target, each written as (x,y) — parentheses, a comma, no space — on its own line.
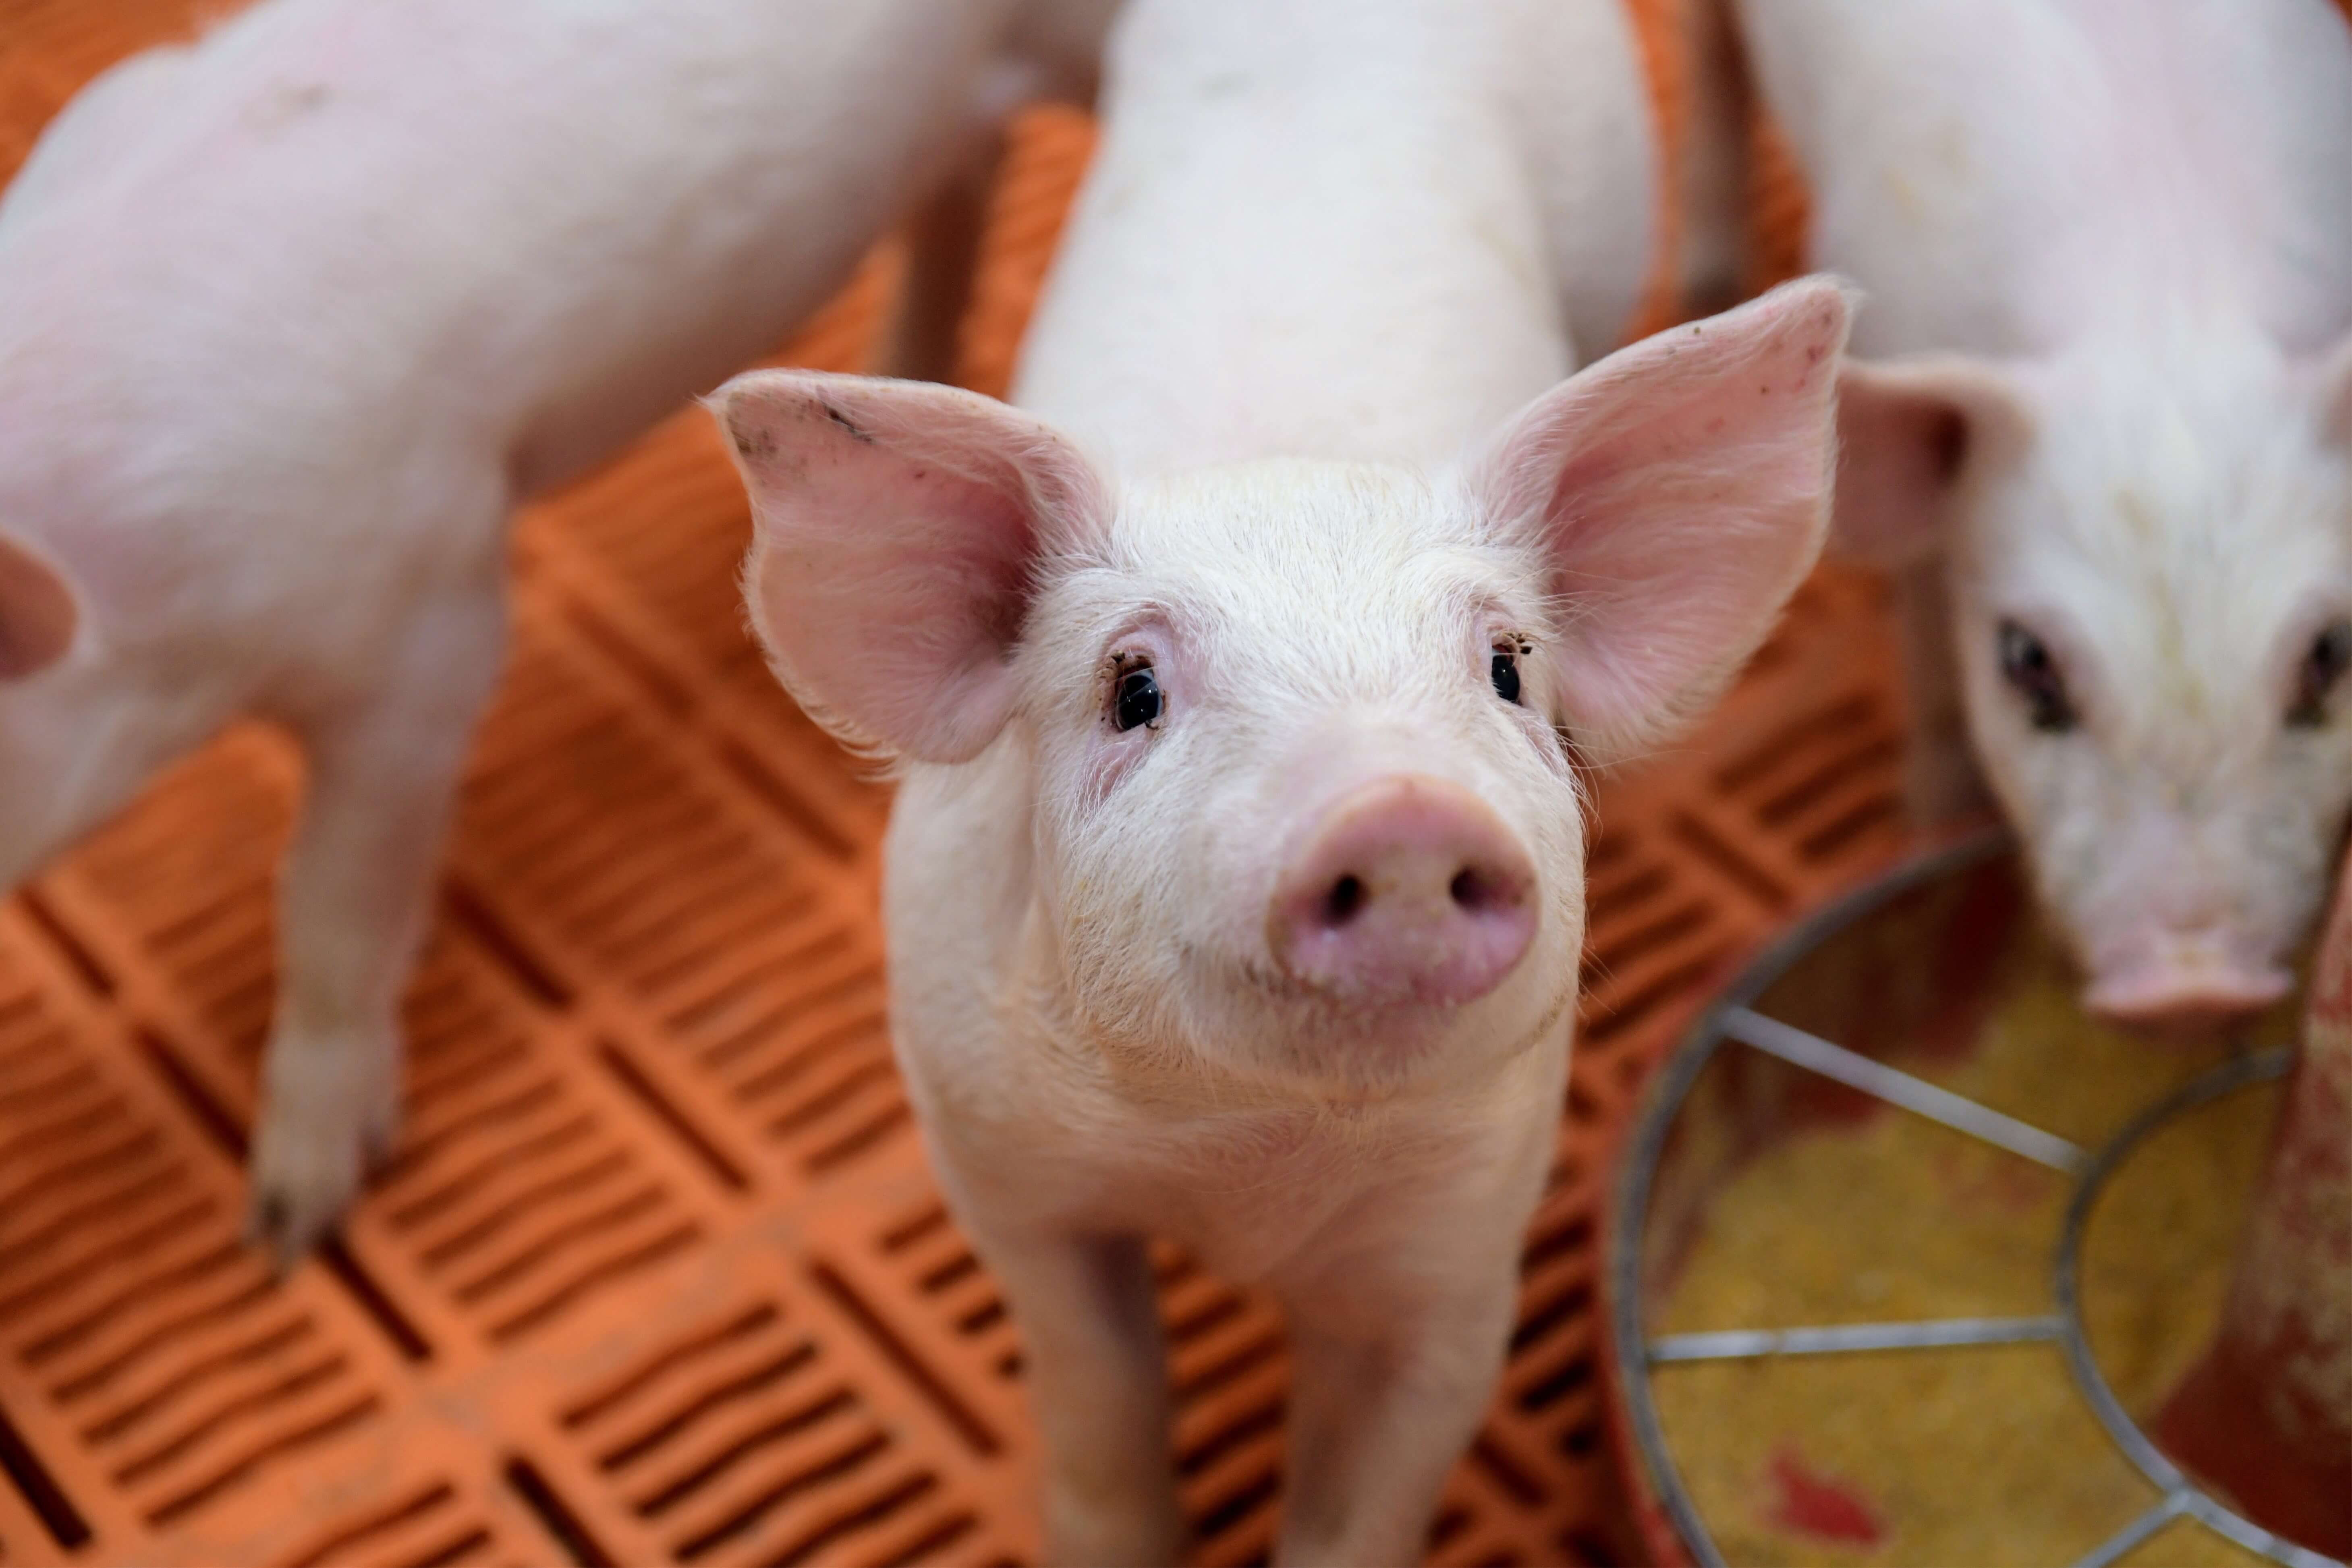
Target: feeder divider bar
(2116,1547)
(1917,1095)
(1934,1333)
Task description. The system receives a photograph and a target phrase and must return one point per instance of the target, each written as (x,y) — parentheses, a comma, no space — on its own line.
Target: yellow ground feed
(1976,1456)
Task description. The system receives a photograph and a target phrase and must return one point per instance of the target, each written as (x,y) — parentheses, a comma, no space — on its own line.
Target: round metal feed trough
(1859,1036)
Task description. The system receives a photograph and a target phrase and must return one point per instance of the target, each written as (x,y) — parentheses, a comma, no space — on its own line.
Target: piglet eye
(1137,701)
(1504,670)
(2323,668)
(2026,664)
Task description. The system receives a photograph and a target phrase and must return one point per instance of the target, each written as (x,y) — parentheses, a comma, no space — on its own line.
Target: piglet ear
(2335,395)
(1680,489)
(38,612)
(898,529)
(1913,432)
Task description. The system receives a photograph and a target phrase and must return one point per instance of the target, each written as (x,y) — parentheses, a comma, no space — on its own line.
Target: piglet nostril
(1474,891)
(1347,898)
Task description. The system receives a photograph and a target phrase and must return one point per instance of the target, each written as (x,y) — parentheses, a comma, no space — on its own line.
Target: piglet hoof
(328,1116)
(303,1179)
(1080,1533)
(1113,1508)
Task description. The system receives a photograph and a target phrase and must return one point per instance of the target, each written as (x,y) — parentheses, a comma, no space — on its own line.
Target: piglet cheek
(1108,761)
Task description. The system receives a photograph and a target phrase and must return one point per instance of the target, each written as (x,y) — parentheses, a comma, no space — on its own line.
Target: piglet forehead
(2183,544)
(1294,514)
(2202,443)
(1296,564)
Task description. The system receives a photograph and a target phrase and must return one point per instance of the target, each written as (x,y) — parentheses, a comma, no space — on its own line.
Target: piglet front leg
(1400,1319)
(354,902)
(1097,1369)
(1380,1412)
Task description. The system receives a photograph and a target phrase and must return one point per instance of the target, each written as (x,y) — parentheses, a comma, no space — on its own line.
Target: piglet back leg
(1711,185)
(943,243)
(354,898)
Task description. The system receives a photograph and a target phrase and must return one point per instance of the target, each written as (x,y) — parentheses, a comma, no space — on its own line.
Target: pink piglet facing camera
(1235,887)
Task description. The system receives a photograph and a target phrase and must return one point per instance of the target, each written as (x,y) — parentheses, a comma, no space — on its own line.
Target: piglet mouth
(2183,984)
(1408,890)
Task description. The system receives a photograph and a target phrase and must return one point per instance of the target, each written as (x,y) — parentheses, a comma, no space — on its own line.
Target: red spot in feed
(1813,1505)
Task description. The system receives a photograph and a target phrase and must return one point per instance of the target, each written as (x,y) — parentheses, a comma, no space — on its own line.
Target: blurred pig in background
(1235,886)
(2103,425)
(290,318)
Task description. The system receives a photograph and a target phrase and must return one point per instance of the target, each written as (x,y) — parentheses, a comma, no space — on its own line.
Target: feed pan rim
(2179,1493)
(1630,1352)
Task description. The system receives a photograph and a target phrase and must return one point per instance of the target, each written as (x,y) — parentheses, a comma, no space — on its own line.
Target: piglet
(1234,891)
(1236,882)
(2104,431)
(289,322)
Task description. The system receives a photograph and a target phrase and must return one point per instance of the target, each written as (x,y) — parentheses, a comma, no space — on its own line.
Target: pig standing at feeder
(2108,382)
(290,320)
(1234,891)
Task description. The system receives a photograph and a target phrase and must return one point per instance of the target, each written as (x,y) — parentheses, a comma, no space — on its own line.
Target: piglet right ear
(1911,433)
(38,612)
(1680,489)
(2335,395)
(897,527)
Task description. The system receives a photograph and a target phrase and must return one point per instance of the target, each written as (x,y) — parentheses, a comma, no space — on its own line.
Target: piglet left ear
(898,532)
(1680,489)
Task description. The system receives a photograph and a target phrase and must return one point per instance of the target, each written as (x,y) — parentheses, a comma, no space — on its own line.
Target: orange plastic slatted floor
(657,1274)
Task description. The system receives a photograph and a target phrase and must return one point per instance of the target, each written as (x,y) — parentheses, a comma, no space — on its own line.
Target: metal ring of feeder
(2182,1496)
(1731,1019)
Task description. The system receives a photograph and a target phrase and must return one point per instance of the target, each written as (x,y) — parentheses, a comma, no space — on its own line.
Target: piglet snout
(2183,984)
(1406,890)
